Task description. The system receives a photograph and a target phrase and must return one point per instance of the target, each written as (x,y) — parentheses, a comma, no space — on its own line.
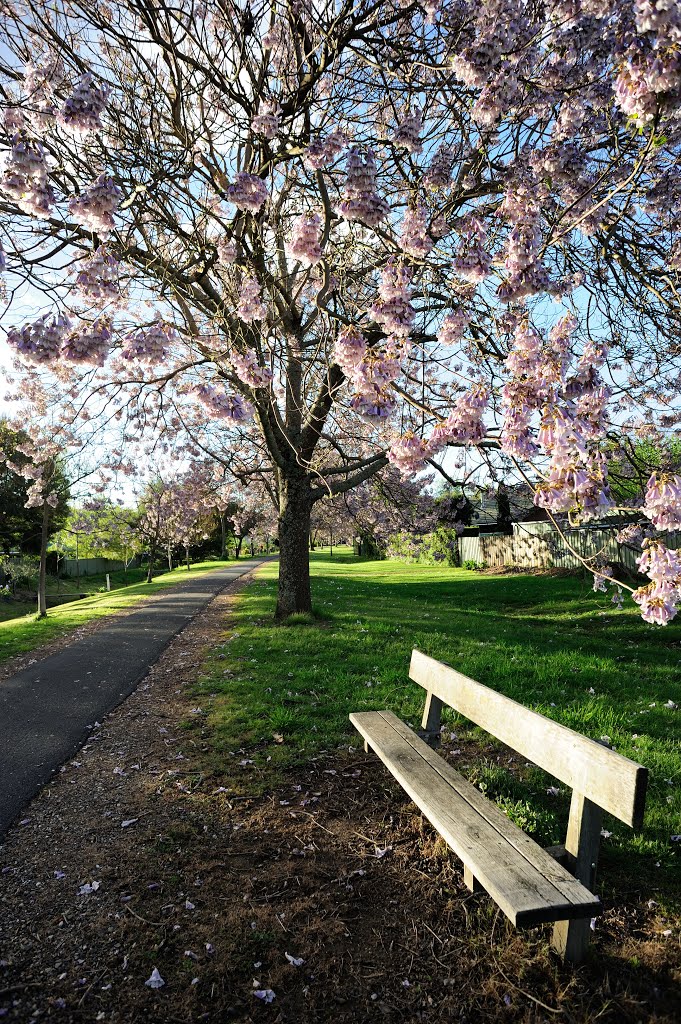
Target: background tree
(336,227)
(21,527)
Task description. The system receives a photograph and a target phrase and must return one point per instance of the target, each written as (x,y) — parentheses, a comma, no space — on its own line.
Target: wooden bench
(531,885)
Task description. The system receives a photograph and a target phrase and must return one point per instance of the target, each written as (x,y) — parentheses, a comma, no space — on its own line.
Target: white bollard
(108,582)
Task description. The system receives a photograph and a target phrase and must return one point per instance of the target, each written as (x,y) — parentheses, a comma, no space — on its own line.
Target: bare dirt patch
(138,857)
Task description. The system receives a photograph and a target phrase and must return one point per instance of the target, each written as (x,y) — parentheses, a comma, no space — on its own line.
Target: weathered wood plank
(526,883)
(610,780)
(582,845)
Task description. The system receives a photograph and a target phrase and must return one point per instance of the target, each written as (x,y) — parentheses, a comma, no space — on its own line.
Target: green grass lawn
(97,583)
(24,632)
(548,642)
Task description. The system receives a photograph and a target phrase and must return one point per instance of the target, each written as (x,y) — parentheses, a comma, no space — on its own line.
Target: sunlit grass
(548,642)
(26,632)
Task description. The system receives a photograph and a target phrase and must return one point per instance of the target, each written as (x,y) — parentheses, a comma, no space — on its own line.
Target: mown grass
(548,642)
(26,632)
(97,582)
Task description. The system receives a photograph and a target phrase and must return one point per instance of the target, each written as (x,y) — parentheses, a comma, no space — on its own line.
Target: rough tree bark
(295,507)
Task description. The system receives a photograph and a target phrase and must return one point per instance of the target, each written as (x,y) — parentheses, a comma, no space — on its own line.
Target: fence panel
(89,566)
(540,546)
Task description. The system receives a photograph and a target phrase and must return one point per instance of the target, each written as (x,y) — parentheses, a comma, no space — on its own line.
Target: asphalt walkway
(45,709)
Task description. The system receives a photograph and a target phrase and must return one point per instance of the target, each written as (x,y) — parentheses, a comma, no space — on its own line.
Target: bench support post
(571,938)
(470,881)
(430,723)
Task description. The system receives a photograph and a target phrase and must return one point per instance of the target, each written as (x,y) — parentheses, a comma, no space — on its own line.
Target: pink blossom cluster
(362,202)
(248,192)
(662,17)
(393,309)
(83,108)
(13,120)
(24,178)
(249,370)
(647,79)
(98,278)
(472,261)
(232,408)
(407,135)
(267,122)
(414,238)
(90,344)
(41,78)
(572,420)
(663,501)
(576,482)
(631,534)
(409,454)
(377,404)
(41,341)
(370,370)
(149,344)
(380,366)
(464,424)
(659,600)
(496,98)
(439,173)
(304,244)
(251,306)
(94,208)
(500,28)
(350,350)
(453,326)
(278,41)
(227,251)
(562,166)
(322,152)
(526,273)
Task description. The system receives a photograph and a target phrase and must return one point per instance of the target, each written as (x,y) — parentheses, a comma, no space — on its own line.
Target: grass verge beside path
(23,634)
(278,694)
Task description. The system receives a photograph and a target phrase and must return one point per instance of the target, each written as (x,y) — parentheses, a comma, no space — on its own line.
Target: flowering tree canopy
(325,235)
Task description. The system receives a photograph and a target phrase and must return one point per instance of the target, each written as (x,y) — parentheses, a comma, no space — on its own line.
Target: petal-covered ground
(145,886)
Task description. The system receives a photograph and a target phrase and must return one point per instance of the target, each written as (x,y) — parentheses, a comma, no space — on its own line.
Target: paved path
(45,710)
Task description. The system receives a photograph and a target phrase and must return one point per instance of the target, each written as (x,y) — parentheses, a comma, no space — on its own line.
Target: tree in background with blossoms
(21,527)
(329,236)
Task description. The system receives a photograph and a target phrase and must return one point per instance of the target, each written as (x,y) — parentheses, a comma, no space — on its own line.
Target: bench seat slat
(527,884)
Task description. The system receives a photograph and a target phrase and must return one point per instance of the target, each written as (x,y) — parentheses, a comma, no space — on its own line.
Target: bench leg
(367,748)
(571,939)
(470,880)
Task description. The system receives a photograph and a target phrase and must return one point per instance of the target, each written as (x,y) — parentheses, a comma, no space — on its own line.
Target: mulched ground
(330,897)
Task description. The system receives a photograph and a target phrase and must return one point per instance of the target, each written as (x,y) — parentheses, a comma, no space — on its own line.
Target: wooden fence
(540,546)
(88,566)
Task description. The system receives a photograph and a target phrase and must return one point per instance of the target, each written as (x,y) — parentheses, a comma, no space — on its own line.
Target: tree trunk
(187,553)
(238,541)
(294,556)
(170,558)
(223,537)
(42,574)
(150,570)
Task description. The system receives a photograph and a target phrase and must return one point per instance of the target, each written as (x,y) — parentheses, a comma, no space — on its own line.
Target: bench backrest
(603,776)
